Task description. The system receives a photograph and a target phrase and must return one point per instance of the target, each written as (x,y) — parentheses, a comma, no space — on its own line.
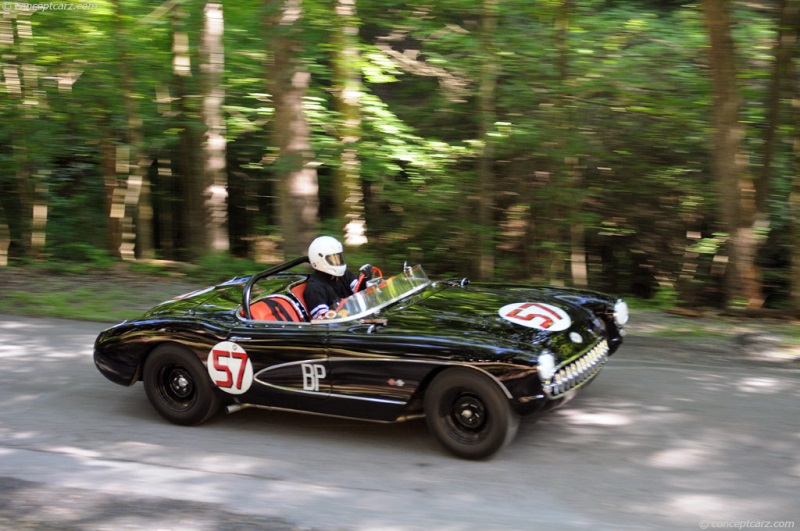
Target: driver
(331,281)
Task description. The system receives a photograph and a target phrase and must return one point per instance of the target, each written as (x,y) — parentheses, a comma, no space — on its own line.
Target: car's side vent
(576,372)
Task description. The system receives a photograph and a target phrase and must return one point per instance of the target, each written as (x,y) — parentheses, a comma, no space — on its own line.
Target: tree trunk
(571,211)
(794,194)
(136,215)
(164,202)
(24,105)
(24,179)
(577,236)
(780,90)
(144,209)
(297,188)
(784,89)
(192,215)
(5,237)
(348,195)
(487,114)
(216,185)
(794,207)
(108,162)
(553,229)
(728,162)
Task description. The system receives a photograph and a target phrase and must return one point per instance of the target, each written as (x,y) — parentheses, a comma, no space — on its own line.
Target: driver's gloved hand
(366,270)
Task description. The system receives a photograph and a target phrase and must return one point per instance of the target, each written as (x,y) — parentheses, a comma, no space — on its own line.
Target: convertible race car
(471,358)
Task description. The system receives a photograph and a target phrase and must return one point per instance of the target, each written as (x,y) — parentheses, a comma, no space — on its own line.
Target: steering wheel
(377,274)
(375,281)
(377,277)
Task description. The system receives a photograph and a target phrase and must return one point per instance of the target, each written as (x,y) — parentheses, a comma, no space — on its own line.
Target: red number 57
(538,311)
(224,361)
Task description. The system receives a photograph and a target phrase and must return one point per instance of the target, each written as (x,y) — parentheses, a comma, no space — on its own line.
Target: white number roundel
(230,368)
(538,315)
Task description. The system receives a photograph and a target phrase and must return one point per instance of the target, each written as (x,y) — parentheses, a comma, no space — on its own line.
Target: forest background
(648,148)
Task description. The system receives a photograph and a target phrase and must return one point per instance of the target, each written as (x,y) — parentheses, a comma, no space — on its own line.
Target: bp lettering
(312,374)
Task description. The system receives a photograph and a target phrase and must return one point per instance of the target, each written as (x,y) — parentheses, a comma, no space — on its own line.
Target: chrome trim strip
(324,395)
(392,360)
(288,363)
(444,363)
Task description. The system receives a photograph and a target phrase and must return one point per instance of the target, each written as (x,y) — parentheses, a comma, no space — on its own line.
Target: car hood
(533,318)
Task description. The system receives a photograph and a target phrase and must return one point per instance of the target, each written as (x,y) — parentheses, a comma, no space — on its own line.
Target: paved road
(665,438)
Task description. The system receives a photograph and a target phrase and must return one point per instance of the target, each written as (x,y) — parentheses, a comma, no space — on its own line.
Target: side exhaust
(233,408)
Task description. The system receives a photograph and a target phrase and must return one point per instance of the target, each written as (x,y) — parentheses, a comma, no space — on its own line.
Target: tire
(468,414)
(178,387)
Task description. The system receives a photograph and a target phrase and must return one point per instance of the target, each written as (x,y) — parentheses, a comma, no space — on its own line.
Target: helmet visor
(335,259)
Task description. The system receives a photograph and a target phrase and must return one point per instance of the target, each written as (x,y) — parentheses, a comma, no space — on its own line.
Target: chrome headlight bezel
(546,366)
(621,312)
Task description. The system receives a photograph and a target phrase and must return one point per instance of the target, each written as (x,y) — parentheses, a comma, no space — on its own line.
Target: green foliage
(84,304)
(52,295)
(78,257)
(664,297)
(605,126)
(220,267)
(151,268)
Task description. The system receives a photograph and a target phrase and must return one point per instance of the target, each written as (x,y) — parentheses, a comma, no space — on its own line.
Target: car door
(371,374)
(283,364)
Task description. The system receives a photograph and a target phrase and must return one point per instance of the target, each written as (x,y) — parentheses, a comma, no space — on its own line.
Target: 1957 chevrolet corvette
(471,358)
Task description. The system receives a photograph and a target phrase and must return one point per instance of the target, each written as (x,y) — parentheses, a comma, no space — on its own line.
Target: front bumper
(577,372)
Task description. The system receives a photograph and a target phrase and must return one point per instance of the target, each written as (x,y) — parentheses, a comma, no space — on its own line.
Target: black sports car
(470,358)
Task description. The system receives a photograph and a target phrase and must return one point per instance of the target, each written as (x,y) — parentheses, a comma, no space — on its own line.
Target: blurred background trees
(639,147)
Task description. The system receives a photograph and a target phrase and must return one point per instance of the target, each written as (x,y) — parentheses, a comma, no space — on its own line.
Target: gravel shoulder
(708,338)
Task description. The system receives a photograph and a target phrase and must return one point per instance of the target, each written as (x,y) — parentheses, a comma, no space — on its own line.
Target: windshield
(379,294)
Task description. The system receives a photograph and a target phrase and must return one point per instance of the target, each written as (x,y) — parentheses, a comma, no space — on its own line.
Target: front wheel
(468,414)
(178,387)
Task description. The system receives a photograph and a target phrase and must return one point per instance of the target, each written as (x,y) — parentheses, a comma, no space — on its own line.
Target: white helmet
(327,255)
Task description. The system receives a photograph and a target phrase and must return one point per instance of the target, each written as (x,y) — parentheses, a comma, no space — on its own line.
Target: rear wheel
(178,386)
(468,414)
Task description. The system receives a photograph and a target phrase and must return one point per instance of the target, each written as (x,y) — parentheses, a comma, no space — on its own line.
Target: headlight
(547,366)
(621,312)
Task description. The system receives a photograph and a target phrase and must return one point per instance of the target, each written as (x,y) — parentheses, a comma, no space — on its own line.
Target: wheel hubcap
(180,383)
(469,412)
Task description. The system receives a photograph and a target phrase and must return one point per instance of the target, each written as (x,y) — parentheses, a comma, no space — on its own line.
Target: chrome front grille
(574,373)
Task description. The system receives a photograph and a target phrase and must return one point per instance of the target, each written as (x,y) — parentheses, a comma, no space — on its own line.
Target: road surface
(666,438)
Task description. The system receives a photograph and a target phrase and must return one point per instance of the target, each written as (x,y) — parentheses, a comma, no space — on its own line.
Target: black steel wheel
(469,414)
(178,386)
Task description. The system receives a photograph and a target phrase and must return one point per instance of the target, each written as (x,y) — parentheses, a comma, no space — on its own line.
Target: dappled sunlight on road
(763,385)
(687,457)
(582,417)
(272,495)
(653,443)
(697,507)
(31,341)
(757,339)
(698,442)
